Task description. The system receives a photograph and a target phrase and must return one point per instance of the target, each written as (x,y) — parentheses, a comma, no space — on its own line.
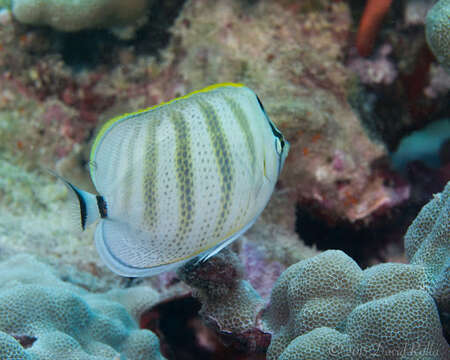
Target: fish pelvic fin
(84,208)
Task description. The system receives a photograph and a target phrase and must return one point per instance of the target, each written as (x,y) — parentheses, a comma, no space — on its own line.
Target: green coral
(437,32)
(74,15)
(58,318)
(427,245)
(327,307)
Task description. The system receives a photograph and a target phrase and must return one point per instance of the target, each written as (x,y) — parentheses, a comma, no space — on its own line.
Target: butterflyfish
(180,180)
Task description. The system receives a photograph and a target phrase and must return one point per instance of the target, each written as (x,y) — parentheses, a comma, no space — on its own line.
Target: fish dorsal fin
(128,116)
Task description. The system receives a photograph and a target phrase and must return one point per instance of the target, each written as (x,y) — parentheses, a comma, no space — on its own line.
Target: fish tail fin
(84,208)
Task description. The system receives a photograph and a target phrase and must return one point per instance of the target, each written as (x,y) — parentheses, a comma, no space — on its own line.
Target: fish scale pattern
(326,307)
(65,321)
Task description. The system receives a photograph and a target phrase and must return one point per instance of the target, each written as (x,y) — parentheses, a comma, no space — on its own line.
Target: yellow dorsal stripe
(112,121)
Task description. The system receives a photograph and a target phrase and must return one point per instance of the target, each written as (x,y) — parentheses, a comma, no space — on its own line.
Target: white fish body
(182,179)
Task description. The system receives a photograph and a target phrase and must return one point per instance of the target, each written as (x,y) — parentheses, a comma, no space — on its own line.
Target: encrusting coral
(43,317)
(437,31)
(327,307)
(71,15)
(230,304)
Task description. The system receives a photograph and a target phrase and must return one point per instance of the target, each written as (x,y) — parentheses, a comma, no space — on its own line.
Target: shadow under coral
(184,336)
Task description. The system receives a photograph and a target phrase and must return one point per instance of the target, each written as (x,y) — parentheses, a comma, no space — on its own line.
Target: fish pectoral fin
(213,251)
(259,187)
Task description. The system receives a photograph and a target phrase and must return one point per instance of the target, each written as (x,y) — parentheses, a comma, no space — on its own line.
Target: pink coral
(261,273)
(377,70)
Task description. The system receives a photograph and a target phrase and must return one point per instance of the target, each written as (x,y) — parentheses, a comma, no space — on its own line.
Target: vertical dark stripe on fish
(150,174)
(244,124)
(184,175)
(222,154)
(131,169)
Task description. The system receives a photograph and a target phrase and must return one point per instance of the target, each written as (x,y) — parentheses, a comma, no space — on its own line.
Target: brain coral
(327,307)
(42,317)
(427,244)
(437,31)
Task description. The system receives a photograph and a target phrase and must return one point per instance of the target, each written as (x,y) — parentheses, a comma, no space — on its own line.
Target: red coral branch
(369,25)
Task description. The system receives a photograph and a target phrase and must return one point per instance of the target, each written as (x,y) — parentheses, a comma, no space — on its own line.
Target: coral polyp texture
(327,307)
(43,317)
(437,31)
(74,15)
(427,245)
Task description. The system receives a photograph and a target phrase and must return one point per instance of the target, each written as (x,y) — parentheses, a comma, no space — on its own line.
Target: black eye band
(260,104)
(274,129)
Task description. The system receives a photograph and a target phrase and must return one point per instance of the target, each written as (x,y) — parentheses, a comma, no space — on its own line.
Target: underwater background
(349,260)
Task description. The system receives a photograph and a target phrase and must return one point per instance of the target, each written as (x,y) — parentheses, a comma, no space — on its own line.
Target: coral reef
(51,318)
(266,250)
(295,65)
(35,219)
(327,306)
(74,15)
(416,11)
(304,87)
(401,84)
(229,303)
(427,245)
(438,33)
(233,286)
(28,125)
(377,70)
(58,84)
